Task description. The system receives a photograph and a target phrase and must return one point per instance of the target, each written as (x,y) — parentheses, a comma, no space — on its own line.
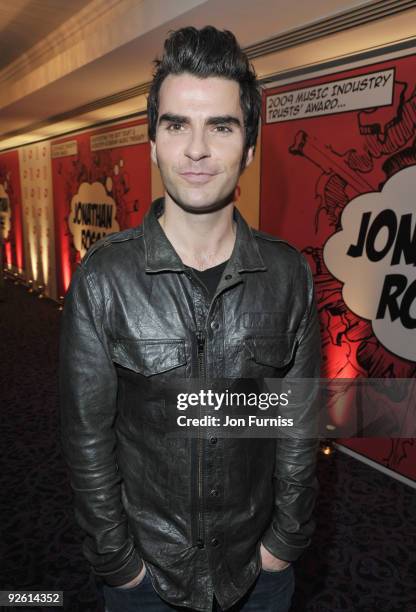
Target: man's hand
(270,562)
(135,581)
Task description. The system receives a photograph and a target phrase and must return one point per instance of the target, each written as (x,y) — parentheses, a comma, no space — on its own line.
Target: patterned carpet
(362,559)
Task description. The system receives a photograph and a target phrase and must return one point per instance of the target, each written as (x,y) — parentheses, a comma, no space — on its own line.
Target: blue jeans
(271,592)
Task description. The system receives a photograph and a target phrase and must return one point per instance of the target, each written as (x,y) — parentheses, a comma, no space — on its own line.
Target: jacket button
(214,542)
(200,543)
(213,440)
(214,492)
(228,276)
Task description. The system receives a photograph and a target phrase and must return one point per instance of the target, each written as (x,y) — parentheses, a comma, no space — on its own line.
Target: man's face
(199,140)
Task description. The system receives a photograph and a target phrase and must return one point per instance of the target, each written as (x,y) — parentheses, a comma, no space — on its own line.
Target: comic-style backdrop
(338,181)
(101,184)
(11,229)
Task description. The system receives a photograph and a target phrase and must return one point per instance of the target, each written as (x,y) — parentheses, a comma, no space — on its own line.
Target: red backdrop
(325,142)
(10,181)
(122,171)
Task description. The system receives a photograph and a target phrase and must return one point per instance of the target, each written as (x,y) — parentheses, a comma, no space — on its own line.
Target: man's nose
(197,147)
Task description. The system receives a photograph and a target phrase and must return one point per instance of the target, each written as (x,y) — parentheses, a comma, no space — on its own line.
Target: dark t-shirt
(211,277)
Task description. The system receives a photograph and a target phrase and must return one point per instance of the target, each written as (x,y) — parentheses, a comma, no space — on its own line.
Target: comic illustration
(338,182)
(101,185)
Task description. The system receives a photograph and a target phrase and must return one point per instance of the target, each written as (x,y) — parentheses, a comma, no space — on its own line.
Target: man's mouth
(197,177)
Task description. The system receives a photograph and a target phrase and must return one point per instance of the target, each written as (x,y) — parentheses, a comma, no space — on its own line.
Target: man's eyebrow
(216,120)
(171,118)
(224,119)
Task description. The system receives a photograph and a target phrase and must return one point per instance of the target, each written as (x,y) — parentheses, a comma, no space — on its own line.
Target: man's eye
(224,129)
(175,127)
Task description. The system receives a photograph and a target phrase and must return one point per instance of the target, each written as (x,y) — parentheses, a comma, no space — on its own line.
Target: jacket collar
(161,256)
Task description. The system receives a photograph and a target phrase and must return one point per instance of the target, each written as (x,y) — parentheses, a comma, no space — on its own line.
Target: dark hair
(204,53)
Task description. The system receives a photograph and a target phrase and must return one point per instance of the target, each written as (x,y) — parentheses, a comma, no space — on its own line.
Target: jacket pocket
(146,371)
(260,356)
(274,352)
(149,357)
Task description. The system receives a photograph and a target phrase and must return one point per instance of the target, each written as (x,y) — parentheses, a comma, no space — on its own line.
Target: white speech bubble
(374,256)
(92,216)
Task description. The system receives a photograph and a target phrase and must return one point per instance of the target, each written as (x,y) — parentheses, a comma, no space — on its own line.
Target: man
(202,522)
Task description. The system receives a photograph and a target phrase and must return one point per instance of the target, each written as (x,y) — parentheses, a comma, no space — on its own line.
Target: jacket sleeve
(295,482)
(88,390)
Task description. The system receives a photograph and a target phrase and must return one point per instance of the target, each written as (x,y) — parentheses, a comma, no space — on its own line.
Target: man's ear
(153,155)
(249,157)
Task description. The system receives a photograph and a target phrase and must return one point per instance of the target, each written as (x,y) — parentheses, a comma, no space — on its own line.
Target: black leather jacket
(194,510)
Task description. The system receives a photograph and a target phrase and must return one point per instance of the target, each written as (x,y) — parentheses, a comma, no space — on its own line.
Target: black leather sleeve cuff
(129,571)
(280,549)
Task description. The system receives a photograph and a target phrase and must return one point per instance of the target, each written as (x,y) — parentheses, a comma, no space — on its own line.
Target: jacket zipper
(201,361)
(201,372)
